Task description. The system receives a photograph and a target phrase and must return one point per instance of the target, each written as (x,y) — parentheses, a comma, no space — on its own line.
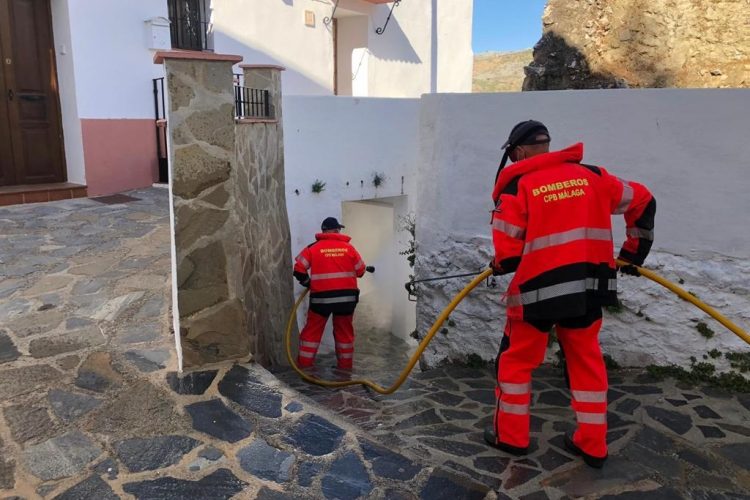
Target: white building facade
(100,107)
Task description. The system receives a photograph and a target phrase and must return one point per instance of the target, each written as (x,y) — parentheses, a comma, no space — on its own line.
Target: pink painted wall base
(120,154)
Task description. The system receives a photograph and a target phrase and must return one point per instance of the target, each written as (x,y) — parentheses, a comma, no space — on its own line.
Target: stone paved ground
(667,440)
(90,405)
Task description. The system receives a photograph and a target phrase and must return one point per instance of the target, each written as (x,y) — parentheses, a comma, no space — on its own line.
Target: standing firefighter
(333,266)
(552,226)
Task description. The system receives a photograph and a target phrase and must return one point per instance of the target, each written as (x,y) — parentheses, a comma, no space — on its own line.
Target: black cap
(330,223)
(525,133)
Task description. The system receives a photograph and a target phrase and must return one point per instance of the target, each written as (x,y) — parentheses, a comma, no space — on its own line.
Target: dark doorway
(31,141)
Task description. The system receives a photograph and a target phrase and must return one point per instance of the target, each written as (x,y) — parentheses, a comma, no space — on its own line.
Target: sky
(507,25)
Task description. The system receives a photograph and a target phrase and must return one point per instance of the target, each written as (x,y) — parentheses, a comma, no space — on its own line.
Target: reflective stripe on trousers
(514,409)
(516,389)
(551,292)
(590,396)
(580,233)
(591,418)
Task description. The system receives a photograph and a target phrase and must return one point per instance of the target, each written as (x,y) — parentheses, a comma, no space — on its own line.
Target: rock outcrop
(642,43)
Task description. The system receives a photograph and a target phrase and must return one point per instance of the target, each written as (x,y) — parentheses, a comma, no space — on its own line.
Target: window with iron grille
(189,23)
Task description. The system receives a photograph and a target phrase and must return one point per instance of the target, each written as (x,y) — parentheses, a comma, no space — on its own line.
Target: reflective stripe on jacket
(552,226)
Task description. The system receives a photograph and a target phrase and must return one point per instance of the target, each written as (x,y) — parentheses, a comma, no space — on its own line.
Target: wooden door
(31,139)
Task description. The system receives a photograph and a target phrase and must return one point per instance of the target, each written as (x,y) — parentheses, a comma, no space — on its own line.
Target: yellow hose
(412,361)
(449,309)
(693,300)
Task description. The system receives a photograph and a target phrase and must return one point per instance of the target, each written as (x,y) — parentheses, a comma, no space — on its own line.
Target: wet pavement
(91,407)
(667,440)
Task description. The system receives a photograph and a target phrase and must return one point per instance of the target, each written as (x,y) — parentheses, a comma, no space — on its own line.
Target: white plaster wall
(274,32)
(688,146)
(401,58)
(455,63)
(399,62)
(113,65)
(342,140)
(66,80)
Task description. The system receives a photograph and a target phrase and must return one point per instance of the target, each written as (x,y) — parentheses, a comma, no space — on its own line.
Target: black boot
(591,461)
(491,439)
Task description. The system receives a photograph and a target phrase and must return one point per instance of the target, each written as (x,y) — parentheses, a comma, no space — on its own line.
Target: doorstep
(37,193)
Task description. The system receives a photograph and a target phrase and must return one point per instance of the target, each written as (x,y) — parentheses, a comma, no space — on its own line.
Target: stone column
(265,77)
(207,254)
(267,268)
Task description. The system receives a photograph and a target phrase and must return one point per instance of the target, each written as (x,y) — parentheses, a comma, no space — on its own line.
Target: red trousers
(343,334)
(588,382)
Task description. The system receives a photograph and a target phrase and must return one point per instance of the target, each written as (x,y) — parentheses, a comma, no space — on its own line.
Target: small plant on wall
(318,186)
(408,224)
(378,180)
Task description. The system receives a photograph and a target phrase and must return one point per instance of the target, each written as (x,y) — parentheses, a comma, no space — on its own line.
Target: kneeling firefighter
(333,265)
(552,226)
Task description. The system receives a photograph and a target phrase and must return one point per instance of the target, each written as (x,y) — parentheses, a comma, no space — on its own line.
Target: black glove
(629,269)
(370,269)
(496,270)
(305,282)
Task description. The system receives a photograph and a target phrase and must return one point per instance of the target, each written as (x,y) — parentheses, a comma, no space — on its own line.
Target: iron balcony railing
(189,34)
(251,103)
(189,23)
(160,115)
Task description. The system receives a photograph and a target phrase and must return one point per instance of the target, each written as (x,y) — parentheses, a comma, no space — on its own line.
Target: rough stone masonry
(231,232)
(642,43)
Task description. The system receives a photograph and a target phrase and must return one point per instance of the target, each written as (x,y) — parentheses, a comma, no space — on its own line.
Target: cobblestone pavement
(667,440)
(90,405)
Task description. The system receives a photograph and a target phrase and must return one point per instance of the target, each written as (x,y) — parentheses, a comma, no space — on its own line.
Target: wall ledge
(262,66)
(256,120)
(194,55)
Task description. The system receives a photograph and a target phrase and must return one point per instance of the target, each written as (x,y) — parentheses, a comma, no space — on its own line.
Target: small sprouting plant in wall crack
(408,225)
(378,179)
(318,186)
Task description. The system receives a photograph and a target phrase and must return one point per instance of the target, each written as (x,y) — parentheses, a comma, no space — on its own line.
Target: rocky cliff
(642,43)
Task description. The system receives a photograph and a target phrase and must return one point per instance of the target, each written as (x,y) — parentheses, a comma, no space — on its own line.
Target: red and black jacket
(552,226)
(333,265)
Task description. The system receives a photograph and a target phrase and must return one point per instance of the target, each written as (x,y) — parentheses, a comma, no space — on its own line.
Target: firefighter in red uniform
(333,266)
(552,226)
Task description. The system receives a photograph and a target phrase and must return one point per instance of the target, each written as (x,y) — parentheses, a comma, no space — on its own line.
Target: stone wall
(259,190)
(642,43)
(231,233)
